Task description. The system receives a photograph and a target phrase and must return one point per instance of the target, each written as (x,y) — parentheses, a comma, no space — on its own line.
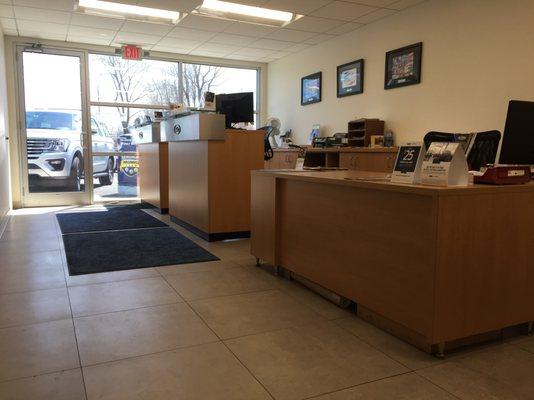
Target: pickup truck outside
(55,155)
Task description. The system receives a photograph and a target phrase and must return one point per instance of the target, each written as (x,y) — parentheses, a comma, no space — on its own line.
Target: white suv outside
(55,155)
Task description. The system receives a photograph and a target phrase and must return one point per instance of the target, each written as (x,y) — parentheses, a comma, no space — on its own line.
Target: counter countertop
(380,181)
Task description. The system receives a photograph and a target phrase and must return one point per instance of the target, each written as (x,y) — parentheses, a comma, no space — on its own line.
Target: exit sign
(130,52)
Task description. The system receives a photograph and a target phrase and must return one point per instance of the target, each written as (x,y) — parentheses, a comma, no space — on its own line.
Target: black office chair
(268,152)
(483,151)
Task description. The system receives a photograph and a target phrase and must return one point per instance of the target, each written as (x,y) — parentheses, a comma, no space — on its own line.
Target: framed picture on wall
(350,78)
(403,66)
(310,89)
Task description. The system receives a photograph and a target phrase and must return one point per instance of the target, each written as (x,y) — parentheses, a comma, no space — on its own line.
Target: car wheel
(108,178)
(75,178)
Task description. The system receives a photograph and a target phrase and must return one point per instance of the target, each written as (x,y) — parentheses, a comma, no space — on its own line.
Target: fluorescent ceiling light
(240,12)
(126,10)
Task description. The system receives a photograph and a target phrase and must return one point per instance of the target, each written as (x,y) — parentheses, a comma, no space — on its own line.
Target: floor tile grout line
(34,290)
(374,347)
(221,341)
(19,378)
(126,310)
(63,256)
(105,282)
(173,349)
(358,385)
(437,385)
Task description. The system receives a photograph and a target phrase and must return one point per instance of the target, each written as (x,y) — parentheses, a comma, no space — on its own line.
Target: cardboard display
(445,164)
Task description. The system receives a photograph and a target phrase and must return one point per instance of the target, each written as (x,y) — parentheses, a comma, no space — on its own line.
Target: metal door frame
(54,198)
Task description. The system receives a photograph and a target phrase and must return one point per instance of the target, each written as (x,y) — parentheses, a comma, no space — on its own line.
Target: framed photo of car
(350,78)
(311,88)
(403,66)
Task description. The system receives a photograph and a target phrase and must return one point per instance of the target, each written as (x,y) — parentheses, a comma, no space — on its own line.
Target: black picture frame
(311,88)
(408,58)
(357,67)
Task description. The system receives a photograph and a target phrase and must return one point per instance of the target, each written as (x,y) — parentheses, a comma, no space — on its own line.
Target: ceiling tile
(100,34)
(146,28)
(404,4)
(227,38)
(313,24)
(93,21)
(218,48)
(244,57)
(256,3)
(204,23)
(179,43)
(375,16)
(250,52)
(8,23)
(173,5)
(271,44)
(174,50)
(246,29)
(139,39)
(6,11)
(290,35)
(342,29)
(191,34)
(297,6)
(38,14)
(88,39)
(205,53)
(319,39)
(373,3)
(343,11)
(280,54)
(44,27)
(62,5)
(299,47)
(42,35)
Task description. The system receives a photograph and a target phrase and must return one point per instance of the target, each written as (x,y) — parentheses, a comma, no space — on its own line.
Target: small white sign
(408,163)
(445,164)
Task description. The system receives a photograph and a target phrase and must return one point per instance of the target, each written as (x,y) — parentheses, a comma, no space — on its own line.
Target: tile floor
(220,330)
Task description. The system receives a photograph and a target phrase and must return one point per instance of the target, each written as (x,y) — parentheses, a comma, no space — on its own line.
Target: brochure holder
(445,164)
(408,163)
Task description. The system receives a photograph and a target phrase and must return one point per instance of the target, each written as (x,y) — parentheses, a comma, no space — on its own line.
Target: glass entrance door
(54,126)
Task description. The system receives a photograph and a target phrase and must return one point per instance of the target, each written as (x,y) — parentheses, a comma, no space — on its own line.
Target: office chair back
(268,152)
(481,153)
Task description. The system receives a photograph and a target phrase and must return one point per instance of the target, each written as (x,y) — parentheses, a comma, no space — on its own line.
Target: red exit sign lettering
(130,52)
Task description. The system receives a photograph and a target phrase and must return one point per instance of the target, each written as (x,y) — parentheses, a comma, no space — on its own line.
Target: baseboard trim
(211,237)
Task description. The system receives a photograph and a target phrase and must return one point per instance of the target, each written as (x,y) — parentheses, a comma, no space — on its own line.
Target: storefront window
(199,78)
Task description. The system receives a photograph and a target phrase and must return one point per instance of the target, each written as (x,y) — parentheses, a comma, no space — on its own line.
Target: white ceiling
(196,35)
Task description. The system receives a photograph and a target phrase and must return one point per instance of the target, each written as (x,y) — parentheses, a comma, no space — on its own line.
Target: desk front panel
(372,246)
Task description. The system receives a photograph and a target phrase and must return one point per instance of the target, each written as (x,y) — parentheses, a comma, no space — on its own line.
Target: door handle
(83,141)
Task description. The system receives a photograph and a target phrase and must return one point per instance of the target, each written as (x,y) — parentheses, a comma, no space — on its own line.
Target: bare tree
(198,79)
(164,90)
(127,78)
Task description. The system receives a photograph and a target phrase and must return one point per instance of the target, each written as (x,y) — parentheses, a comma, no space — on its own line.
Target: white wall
(5,203)
(477,55)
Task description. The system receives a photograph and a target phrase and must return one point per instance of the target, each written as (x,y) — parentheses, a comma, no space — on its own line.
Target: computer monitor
(518,141)
(238,107)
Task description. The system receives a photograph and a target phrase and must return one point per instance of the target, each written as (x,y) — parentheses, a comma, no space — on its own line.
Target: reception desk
(209,183)
(154,174)
(431,265)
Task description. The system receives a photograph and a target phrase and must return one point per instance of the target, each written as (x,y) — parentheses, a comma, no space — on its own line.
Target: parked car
(55,155)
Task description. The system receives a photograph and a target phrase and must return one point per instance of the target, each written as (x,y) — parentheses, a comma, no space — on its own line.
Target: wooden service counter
(431,265)
(154,174)
(209,183)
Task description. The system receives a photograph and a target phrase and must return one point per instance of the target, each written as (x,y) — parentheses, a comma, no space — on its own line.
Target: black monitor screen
(238,107)
(518,141)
